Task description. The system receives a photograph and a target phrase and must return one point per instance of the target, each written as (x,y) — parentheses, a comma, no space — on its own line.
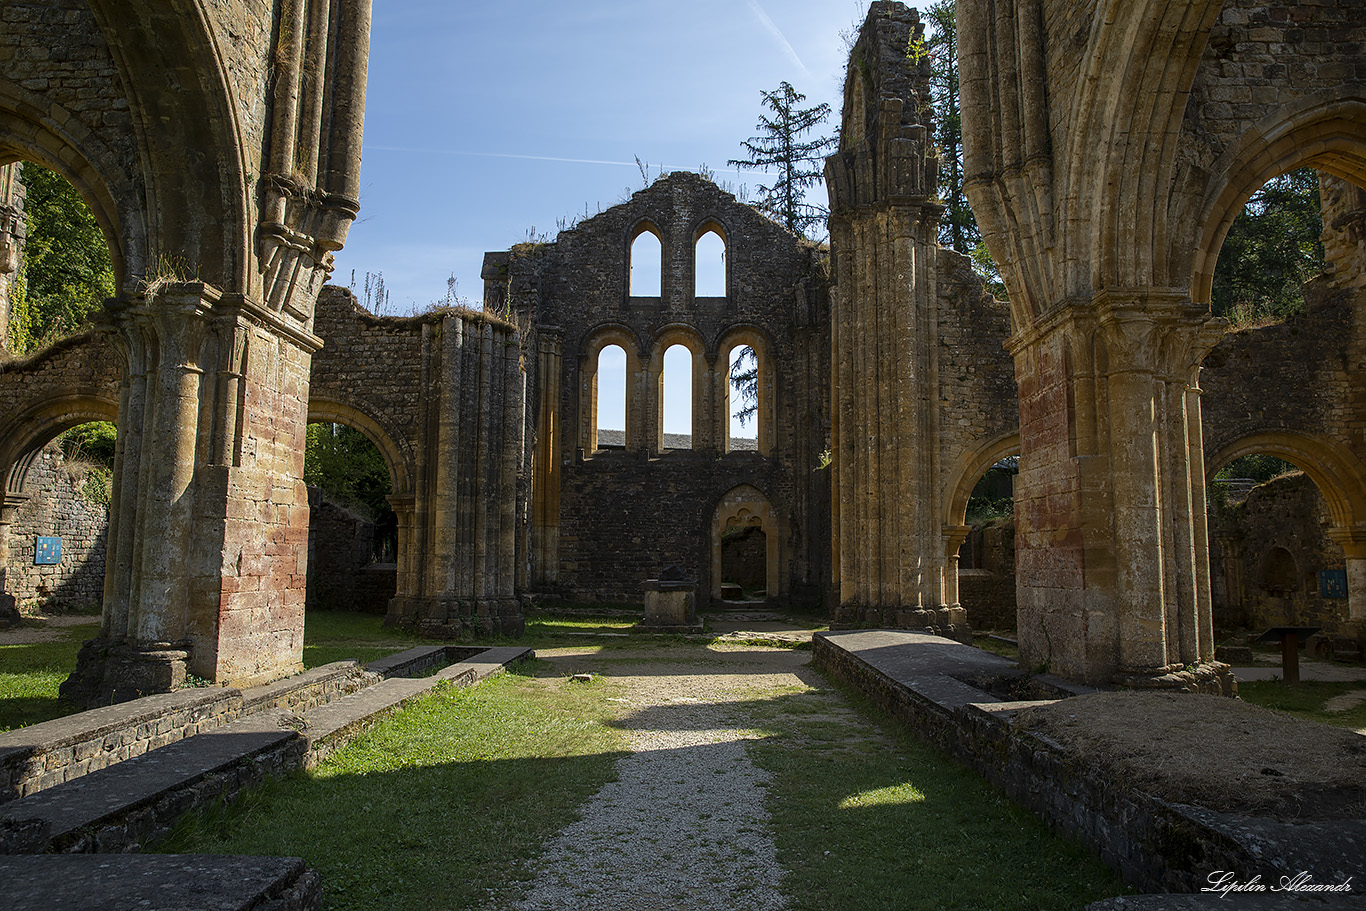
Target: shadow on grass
(864,815)
(32,672)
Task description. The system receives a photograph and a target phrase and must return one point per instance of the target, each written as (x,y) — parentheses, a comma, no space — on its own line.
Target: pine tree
(800,163)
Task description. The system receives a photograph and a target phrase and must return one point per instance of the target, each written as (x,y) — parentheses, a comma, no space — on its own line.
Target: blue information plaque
(1333,583)
(47,551)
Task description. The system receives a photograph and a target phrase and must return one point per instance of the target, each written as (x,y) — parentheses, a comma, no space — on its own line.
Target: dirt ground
(1219,753)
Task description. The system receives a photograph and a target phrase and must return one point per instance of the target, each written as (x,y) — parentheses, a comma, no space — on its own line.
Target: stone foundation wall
(1155,846)
(57,507)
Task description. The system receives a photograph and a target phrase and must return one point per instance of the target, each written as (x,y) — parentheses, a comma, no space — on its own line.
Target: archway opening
(1272,559)
(744,563)
(57,532)
(610,389)
(745,547)
(1273,247)
(647,265)
(743,381)
(676,413)
(352,529)
(55,266)
(709,265)
(986,556)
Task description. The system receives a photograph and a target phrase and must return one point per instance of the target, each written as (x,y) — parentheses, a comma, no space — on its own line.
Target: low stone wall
(40,756)
(124,806)
(1155,846)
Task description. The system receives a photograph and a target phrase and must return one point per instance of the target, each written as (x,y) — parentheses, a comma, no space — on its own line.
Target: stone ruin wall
(58,506)
(1289,514)
(442,396)
(342,571)
(623,516)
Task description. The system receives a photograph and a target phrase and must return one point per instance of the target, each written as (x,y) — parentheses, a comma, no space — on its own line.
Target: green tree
(958,227)
(348,468)
(800,162)
(1271,250)
(66,273)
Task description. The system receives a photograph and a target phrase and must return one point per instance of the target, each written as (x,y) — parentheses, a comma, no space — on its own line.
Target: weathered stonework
(603,522)
(442,397)
(922,398)
(1105,164)
(58,506)
(246,177)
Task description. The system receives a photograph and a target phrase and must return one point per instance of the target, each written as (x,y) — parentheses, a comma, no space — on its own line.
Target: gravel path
(684,825)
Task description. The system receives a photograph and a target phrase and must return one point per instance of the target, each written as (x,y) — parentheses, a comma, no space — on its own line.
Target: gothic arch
(665,338)
(395,456)
(757,340)
(1339,475)
(189,139)
(972,465)
(740,506)
(37,130)
(27,433)
(596,340)
(1328,133)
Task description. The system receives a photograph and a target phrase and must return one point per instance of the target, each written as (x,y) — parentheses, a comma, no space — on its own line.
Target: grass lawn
(441,806)
(448,804)
(1306,699)
(31,673)
(867,816)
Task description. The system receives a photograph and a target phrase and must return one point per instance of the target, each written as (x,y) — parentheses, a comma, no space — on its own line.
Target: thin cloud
(778,36)
(624,164)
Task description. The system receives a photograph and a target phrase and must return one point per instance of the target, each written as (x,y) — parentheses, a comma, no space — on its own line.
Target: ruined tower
(889,553)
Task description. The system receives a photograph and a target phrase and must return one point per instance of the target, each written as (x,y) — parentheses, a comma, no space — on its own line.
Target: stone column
(1111,521)
(209,518)
(954,536)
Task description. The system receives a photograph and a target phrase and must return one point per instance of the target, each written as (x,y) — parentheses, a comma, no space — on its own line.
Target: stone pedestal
(671,603)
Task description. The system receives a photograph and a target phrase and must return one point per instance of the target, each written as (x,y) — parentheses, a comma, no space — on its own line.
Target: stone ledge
(41,756)
(1154,845)
(199,881)
(117,808)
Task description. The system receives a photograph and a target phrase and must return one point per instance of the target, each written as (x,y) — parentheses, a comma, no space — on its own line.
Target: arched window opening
(62,271)
(611,397)
(1271,250)
(352,529)
(709,266)
(647,265)
(743,379)
(677,386)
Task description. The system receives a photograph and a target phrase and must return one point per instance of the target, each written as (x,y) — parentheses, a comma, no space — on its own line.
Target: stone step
(119,807)
(44,755)
(203,882)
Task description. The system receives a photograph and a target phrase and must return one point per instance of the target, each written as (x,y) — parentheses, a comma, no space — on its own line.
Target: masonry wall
(1249,584)
(610,520)
(57,507)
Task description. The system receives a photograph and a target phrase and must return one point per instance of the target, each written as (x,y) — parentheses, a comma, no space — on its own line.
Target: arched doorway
(744,522)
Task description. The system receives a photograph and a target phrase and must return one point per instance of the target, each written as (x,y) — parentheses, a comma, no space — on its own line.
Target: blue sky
(487,121)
